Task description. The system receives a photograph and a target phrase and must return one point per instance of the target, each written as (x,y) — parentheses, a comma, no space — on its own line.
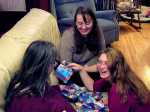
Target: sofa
(37,24)
(64,11)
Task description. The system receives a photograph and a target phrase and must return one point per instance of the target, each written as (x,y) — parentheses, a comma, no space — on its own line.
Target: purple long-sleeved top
(114,101)
(51,102)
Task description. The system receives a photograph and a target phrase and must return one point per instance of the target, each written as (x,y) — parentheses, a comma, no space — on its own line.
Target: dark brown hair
(94,38)
(32,77)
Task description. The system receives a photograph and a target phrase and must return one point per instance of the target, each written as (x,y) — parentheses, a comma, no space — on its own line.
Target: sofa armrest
(66,21)
(107,14)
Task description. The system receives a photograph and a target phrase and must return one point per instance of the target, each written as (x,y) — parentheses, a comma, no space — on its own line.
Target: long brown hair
(125,79)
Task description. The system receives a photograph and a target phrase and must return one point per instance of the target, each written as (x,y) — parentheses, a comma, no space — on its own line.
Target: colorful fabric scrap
(85,101)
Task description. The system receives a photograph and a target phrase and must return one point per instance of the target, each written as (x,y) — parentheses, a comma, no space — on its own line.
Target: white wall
(12,5)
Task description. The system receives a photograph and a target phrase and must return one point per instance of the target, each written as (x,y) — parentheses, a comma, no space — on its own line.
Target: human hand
(75,66)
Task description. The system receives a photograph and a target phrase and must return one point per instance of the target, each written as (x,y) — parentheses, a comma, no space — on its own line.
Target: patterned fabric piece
(85,101)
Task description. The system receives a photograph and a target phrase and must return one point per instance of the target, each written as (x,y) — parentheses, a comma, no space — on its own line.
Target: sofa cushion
(36,25)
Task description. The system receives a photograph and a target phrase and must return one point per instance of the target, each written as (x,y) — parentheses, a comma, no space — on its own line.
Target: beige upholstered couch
(36,25)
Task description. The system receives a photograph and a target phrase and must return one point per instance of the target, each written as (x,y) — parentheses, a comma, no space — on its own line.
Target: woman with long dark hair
(126,92)
(29,90)
(82,43)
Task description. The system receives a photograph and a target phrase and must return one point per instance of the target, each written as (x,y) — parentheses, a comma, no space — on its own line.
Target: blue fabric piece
(63,73)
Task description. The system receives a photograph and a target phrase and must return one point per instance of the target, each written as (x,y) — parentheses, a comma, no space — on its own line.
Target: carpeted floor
(142,15)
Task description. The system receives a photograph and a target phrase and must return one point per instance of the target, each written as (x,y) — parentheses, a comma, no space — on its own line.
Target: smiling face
(84,26)
(103,66)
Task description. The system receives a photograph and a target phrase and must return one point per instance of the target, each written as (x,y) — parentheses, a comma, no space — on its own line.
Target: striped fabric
(105,4)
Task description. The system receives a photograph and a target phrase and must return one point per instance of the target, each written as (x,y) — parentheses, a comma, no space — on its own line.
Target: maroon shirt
(114,100)
(51,102)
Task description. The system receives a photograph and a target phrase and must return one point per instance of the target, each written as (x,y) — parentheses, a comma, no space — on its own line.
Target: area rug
(143,18)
